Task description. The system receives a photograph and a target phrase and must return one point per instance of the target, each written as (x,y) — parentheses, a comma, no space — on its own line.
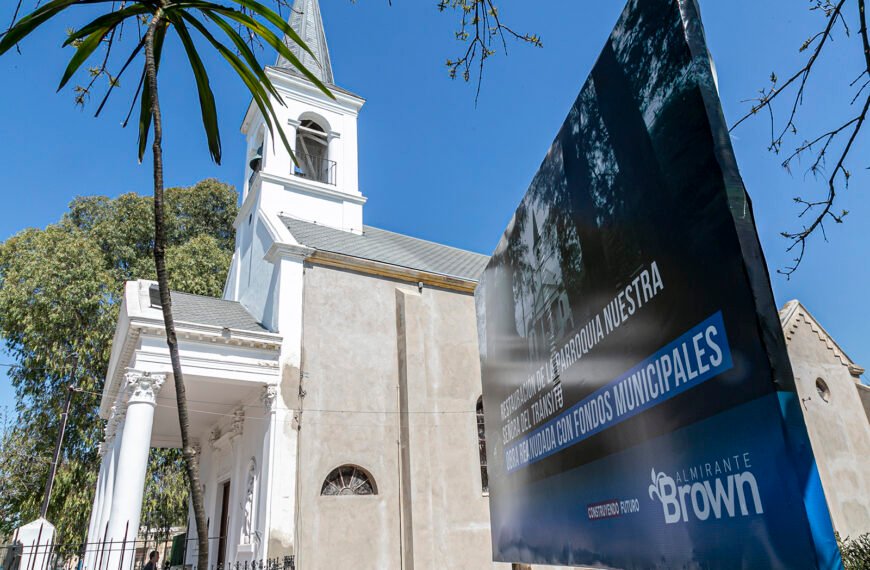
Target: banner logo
(729,496)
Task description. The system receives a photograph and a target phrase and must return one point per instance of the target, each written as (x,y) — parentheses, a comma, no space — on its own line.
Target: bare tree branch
(481,27)
(841,137)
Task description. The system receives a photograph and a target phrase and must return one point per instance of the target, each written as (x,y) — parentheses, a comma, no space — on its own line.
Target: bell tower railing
(316,168)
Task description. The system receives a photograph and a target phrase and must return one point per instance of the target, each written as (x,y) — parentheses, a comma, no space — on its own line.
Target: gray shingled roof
(208,311)
(392,248)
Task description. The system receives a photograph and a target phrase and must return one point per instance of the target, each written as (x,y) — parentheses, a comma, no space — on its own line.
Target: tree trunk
(191,460)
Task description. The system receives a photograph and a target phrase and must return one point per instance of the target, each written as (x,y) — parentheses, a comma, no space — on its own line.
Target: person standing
(153,558)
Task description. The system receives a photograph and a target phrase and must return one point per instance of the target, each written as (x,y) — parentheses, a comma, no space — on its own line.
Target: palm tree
(231,19)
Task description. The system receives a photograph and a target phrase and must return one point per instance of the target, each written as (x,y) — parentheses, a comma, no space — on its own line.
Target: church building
(335,389)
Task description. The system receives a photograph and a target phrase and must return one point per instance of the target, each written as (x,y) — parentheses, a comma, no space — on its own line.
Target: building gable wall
(838,427)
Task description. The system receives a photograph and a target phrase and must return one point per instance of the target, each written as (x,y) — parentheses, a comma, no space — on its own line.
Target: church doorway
(224,527)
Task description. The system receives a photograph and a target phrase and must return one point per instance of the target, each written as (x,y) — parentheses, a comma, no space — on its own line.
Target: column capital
(142,386)
(270,393)
(116,419)
(214,437)
(238,425)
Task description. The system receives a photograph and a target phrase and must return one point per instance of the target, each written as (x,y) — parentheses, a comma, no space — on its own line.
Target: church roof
(188,308)
(391,248)
(305,19)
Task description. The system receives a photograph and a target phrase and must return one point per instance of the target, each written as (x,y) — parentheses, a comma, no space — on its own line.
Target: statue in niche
(248,505)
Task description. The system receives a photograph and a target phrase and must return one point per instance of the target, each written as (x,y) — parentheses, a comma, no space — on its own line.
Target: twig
(821,210)
(481,17)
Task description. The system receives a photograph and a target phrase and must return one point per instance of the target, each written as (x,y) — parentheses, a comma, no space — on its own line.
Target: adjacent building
(835,407)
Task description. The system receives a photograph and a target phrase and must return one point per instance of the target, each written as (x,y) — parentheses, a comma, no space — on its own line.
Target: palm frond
(26,25)
(113,84)
(206,97)
(111,19)
(83,52)
(273,40)
(258,91)
(246,52)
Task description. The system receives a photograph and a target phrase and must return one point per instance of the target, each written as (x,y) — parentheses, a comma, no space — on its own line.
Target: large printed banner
(640,408)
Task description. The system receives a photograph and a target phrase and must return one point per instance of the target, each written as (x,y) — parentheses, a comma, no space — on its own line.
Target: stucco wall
(353,368)
(864,393)
(258,278)
(838,428)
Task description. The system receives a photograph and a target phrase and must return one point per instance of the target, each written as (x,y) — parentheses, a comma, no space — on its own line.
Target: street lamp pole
(57,449)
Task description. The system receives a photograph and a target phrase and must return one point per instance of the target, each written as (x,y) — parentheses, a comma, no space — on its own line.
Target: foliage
(60,289)
(165,502)
(855,552)
(123,227)
(230,28)
(20,471)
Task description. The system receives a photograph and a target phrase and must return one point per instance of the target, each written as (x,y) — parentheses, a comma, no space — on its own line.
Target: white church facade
(334,390)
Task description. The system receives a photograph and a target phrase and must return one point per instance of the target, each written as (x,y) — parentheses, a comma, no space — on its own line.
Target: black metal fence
(126,554)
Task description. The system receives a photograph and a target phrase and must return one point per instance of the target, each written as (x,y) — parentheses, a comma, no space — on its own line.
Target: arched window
(255,160)
(312,153)
(481,446)
(349,480)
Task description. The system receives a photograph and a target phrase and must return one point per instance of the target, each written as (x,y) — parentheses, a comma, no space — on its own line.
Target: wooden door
(224,520)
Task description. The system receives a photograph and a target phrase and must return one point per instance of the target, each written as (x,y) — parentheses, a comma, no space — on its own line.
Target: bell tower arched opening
(312,153)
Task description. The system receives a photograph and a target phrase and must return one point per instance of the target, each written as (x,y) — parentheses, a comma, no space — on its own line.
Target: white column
(191,551)
(237,514)
(36,540)
(98,494)
(267,481)
(96,552)
(140,393)
(285,161)
(96,510)
(333,153)
(109,493)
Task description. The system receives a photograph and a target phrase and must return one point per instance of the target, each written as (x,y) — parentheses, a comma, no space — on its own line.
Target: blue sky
(431,163)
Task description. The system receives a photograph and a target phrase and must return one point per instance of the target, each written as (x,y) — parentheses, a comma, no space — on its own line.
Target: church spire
(305,19)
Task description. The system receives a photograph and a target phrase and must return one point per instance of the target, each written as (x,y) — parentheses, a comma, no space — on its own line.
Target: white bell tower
(322,185)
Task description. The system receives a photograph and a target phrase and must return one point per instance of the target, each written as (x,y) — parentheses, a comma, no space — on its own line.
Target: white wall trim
(133,324)
(279,251)
(318,189)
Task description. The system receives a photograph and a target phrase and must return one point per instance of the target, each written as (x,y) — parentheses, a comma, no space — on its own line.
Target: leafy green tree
(228,28)
(855,551)
(60,289)
(165,502)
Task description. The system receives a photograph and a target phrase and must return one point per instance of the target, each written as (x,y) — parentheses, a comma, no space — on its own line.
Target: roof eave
(390,271)
(132,323)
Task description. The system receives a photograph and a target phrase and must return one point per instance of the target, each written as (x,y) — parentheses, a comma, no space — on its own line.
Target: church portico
(230,366)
